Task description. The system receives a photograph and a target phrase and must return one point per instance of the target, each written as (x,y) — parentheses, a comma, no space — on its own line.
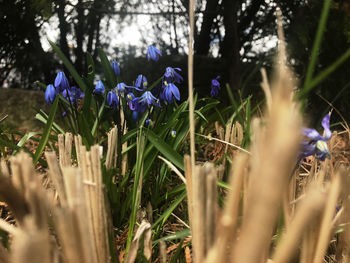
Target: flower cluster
(61,86)
(314,143)
(138,97)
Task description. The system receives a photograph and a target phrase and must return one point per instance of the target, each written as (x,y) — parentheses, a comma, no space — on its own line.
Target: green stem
(325,73)
(315,49)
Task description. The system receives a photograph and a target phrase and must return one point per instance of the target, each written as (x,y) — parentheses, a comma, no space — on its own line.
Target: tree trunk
(231,46)
(64,28)
(202,42)
(97,35)
(79,33)
(91,26)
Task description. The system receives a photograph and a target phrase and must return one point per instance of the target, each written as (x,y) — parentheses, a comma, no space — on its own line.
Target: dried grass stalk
(65,149)
(327,220)
(4,255)
(211,204)
(111,158)
(162,252)
(343,253)
(31,244)
(310,208)
(145,230)
(199,213)
(272,162)
(228,221)
(56,176)
(189,188)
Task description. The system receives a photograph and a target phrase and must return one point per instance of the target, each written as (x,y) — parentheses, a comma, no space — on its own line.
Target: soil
(20,106)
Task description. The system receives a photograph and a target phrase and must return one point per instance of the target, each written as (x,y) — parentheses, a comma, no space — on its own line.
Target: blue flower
(61,82)
(153,53)
(112,99)
(120,88)
(148,122)
(130,96)
(171,75)
(170,91)
(115,67)
(50,93)
(74,94)
(148,99)
(99,89)
(135,104)
(135,115)
(316,144)
(141,82)
(215,87)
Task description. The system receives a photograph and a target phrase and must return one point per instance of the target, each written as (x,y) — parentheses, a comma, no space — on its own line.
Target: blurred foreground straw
(77,214)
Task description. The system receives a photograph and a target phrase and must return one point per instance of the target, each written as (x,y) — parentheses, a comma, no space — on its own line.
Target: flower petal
(176,92)
(325,125)
(312,134)
(307,149)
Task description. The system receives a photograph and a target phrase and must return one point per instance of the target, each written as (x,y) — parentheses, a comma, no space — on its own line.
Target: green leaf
(130,134)
(100,112)
(137,187)
(24,139)
(40,84)
(326,72)
(171,208)
(90,87)
(201,115)
(46,133)
(165,149)
(87,137)
(315,49)
(42,116)
(223,185)
(69,66)
(177,235)
(17,148)
(107,68)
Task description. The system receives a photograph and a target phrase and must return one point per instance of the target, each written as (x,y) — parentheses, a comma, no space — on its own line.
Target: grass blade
(165,149)
(69,66)
(46,133)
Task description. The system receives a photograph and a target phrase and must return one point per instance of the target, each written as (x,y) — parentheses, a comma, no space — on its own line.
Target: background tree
(236,37)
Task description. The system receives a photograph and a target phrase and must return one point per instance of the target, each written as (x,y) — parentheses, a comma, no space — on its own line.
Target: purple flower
(130,96)
(50,93)
(61,82)
(171,75)
(170,91)
(112,99)
(316,144)
(141,83)
(115,67)
(100,88)
(120,88)
(148,99)
(136,105)
(215,87)
(74,94)
(153,53)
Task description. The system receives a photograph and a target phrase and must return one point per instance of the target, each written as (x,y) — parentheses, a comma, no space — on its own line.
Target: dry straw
(265,183)
(78,210)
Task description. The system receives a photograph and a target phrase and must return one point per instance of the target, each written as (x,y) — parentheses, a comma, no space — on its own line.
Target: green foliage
(147,178)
